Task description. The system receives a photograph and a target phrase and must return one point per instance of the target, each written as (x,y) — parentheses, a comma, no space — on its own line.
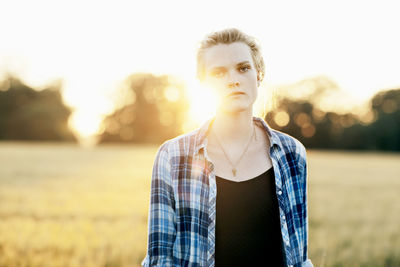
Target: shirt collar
(203,131)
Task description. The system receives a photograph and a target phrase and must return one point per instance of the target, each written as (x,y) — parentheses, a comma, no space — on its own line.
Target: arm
(161,216)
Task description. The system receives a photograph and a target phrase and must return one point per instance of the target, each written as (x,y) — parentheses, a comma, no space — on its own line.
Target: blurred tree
(27,114)
(385,130)
(302,117)
(154,110)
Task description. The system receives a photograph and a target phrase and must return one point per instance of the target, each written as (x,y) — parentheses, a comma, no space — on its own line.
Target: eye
(244,68)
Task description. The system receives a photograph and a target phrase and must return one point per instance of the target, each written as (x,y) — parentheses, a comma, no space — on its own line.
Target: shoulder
(181,145)
(291,145)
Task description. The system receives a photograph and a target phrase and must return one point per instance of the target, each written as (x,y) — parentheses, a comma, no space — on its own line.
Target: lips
(236,93)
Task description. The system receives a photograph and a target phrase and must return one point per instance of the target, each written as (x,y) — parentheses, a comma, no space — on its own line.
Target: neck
(233,127)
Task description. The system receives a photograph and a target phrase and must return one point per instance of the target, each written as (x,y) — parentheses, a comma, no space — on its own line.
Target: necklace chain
(230,162)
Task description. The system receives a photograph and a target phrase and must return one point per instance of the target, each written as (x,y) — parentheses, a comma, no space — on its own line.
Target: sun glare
(85,123)
(202,105)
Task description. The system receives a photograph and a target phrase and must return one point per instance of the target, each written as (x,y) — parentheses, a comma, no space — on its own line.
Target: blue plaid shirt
(182,212)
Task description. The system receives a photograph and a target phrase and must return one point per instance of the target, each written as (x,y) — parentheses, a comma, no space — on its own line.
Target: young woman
(234,191)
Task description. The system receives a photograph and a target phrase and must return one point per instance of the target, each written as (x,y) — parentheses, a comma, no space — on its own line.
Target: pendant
(234,172)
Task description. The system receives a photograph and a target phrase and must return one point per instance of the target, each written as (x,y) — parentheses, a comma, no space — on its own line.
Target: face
(231,73)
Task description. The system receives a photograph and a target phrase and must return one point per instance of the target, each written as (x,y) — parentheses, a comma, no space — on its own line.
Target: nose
(232,84)
(232,80)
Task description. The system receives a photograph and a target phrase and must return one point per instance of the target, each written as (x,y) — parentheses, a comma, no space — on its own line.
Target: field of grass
(62,205)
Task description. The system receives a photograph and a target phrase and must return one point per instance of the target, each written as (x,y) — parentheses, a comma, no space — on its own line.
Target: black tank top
(248,231)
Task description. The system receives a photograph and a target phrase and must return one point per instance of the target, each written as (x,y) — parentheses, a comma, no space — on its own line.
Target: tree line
(153,109)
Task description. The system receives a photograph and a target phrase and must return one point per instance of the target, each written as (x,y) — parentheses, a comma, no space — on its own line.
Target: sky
(94,45)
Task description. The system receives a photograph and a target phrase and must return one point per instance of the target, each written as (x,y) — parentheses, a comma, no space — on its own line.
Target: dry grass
(62,205)
(354,207)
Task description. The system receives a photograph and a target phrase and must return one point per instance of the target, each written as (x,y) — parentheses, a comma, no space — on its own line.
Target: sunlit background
(94,45)
(90,89)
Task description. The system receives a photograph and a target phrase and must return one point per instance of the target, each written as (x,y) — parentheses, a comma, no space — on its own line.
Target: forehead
(225,55)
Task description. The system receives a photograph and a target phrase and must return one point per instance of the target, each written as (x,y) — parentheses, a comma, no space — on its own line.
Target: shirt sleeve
(306,261)
(161,216)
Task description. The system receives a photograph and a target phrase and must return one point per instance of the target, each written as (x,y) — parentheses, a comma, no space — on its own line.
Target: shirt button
(283,217)
(280,192)
(287,243)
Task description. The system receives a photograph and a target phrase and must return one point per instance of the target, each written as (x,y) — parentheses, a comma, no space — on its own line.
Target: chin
(234,109)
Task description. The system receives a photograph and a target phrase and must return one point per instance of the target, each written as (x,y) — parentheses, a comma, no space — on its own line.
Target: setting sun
(85,123)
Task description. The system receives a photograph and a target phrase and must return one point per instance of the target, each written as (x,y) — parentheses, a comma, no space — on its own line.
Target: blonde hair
(228,36)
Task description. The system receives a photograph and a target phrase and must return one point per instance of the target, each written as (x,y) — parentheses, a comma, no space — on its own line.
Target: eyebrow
(239,64)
